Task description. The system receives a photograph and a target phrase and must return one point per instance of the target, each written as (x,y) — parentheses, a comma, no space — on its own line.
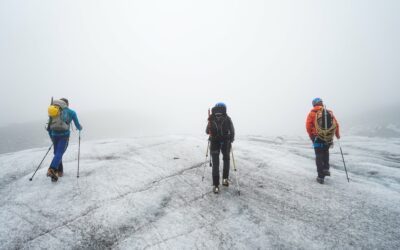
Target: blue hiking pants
(60,146)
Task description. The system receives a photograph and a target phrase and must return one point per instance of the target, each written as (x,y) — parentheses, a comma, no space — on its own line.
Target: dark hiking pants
(215,149)
(322,159)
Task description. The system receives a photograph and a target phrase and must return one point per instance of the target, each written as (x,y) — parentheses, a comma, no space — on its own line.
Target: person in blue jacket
(59,132)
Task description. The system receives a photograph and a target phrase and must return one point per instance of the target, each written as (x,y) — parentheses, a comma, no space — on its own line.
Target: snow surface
(144,193)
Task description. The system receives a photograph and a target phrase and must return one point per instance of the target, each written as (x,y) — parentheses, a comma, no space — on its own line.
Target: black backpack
(219,124)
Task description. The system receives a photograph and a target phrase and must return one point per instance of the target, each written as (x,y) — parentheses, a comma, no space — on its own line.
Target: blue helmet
(220,104)
(316,101)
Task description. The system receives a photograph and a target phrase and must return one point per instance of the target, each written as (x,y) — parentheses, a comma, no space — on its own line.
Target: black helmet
(65,100)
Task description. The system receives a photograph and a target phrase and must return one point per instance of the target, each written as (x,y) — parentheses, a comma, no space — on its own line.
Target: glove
(338,137)
(232,140)
(80,128)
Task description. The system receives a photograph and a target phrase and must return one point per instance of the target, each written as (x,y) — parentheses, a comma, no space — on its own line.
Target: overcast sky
(174,59)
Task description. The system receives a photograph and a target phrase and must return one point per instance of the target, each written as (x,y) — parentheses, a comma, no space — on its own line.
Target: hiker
(221,134)
(321,127)
(60,117)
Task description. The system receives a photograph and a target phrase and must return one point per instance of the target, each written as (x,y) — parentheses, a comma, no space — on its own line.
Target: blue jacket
(71,116)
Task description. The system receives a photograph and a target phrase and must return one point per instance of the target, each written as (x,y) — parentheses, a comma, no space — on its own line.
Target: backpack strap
(48,124)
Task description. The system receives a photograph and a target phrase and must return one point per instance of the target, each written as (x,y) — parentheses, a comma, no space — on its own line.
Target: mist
(155,67)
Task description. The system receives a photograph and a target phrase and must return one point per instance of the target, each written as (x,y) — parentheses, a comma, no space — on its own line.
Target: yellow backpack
(53,111)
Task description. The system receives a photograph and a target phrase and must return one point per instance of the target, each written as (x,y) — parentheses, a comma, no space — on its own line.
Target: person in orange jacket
(321,147)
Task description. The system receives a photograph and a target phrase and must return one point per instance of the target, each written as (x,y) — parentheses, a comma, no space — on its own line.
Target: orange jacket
(310,126)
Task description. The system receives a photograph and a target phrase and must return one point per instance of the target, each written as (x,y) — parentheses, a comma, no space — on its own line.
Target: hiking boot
(52,173)
(225,182)
(320,180)
(48,174)
(60,173)
(216,189)
(326,172)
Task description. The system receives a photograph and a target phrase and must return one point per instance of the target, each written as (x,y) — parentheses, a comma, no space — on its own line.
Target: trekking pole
(344,163)
(40,164)
(235,169)
(79,152)
(208,126)
(205,162)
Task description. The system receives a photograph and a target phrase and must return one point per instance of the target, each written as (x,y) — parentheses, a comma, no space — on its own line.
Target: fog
(155,67)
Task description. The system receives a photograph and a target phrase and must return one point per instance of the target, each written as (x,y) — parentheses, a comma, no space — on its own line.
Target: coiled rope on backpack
(325,134)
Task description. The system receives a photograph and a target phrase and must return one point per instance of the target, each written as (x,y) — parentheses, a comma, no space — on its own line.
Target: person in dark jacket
(59,132)
(221,134)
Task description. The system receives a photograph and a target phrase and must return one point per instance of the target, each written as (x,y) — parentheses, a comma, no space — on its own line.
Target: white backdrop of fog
(155,67)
